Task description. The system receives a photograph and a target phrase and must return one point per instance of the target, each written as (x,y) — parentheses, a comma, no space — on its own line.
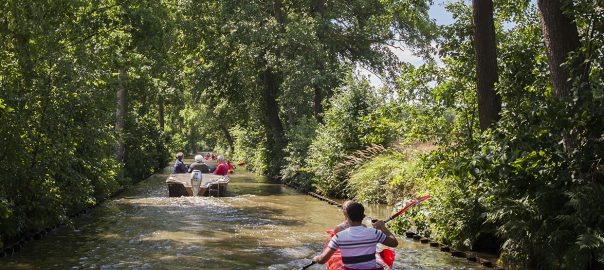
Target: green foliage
(57,91)
(516,189)
(340,135)
(249,148)
(300,137)
(385,178)
(275,64)
(146,151)
(382,126)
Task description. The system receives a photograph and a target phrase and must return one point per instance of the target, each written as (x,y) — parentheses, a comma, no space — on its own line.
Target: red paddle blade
(388,257)
(409,205)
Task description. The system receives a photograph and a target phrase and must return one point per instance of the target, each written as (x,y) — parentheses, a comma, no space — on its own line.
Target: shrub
(384,178)
(295,172)
(340,136)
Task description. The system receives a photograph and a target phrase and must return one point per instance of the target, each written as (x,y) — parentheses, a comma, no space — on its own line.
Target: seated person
(199,165)
(357,243)
(222,168)
(179,165)
(230,167)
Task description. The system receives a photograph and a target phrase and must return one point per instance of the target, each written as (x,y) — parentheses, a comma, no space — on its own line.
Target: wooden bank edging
(444,248)
(16,247)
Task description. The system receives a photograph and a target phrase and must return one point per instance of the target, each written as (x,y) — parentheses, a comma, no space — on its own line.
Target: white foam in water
(296,253)
(195,248)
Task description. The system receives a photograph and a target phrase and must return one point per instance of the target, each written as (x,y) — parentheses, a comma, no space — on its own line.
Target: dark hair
(354,210)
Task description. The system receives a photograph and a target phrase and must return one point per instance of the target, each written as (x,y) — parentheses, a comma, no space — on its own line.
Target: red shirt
(222,169)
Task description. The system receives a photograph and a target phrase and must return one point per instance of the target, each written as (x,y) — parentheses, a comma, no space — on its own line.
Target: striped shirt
(357,245)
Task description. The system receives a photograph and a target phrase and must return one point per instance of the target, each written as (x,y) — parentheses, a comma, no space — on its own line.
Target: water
(261,225)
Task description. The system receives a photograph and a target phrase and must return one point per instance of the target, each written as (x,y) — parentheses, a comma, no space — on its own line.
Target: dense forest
(501,123)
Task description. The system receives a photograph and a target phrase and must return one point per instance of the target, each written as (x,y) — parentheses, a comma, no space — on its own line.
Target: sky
(438,13)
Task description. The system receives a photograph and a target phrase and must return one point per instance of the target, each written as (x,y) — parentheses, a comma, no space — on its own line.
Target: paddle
(409,205)
(309,265)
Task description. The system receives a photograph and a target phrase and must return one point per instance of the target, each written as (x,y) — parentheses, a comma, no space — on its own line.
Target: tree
(485,47)
(561,38)
(121,115)
(279,61)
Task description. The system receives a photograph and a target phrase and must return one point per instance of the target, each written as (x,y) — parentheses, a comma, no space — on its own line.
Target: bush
(340,136)
(250,147)
(384,178)
(146,149)
(295,172)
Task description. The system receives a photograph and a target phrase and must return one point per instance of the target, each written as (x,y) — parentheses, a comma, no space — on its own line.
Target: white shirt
(357,245)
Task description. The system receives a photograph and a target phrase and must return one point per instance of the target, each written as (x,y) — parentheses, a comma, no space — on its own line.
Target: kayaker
(179,165)
(222,168)
(199,165)
(356,242)
(344,225)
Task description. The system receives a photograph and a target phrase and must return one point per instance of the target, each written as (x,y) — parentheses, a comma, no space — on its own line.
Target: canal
(260,225)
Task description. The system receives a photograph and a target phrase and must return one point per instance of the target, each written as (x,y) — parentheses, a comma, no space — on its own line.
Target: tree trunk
(270,92)
(272,121)
(485,47)
(191,142)
(319,6)
(120,116)
(279,14)
(317,105)
(228,137)
(160,116)
(561,37)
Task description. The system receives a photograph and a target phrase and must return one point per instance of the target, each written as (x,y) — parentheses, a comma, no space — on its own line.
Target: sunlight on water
(260,225)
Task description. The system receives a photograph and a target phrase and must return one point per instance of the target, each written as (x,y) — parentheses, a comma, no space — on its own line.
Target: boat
(211,185)
(385,258)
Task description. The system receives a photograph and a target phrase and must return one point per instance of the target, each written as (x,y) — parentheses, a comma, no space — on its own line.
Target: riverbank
(15,244)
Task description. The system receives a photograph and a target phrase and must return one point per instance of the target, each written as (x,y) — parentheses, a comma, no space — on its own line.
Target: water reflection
(260,225)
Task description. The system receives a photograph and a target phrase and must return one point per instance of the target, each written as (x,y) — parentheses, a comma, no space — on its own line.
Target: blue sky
(438,12)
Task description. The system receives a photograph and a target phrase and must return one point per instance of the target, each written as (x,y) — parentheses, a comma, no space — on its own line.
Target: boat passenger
(199,165)
(179,165)
(344,225)
(222,168)
(230,167)
(357,243)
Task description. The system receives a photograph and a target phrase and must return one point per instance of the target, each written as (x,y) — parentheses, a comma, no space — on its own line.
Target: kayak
(385,258)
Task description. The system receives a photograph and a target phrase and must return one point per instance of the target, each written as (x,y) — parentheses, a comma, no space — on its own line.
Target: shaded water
(261,225)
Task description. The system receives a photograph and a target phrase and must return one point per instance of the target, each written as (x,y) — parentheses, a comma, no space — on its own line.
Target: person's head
(198,158)
(180,155)
(353,211)
(220,159)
